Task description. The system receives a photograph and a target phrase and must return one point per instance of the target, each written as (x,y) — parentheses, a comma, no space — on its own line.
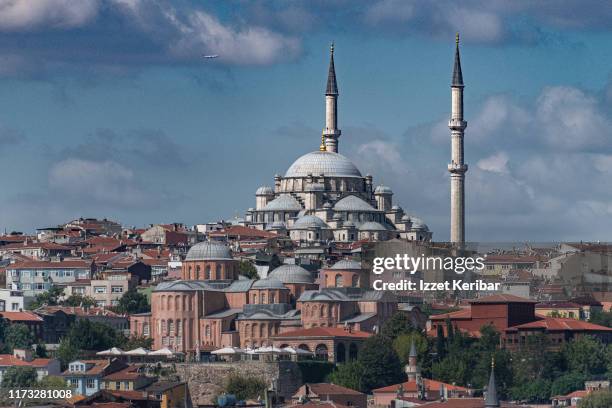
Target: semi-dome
(268,283)
(383,190)
(309,221)
(346,264)
(264,190)
(328,163)
(208,250)
(291,274)
(372,226)
(284,202)
(353,203)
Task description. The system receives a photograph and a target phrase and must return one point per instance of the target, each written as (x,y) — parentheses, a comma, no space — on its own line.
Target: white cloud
(96,182)
(497,163)
(17,15)
(377,152)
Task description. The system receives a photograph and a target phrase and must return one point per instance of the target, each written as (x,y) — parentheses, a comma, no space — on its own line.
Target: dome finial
(331,47)
(322,147)
(456,38)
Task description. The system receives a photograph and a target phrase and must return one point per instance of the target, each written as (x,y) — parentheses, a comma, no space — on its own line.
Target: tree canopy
(133,302)
(247,269)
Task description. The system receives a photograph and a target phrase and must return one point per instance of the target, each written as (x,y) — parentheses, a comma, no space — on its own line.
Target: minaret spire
(457,167)
(491,399)
(331,132)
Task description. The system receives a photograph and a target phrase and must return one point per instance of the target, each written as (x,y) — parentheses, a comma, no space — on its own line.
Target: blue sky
(108,110)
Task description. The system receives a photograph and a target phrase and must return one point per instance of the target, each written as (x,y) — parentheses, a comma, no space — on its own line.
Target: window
(117,385)
(2,306)
(74,383)
(101,303)
(116,289)
(14,306)
(91,383)
(78,290)
(99,289)
(145,329)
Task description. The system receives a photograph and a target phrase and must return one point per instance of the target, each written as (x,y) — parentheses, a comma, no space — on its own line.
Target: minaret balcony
(457,168)
(457,124)
(332,132)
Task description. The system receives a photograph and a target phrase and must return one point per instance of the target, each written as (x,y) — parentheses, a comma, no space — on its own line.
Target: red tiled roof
(459,314)
(575,394)
(82,264)
(7,360)
(324,332)
(332,389)
(559,324)
(21,316)
(318,404)
(132,395)
(557,305)
(128,373)
(43,245)
(411,386)
(502,298)
(80,311)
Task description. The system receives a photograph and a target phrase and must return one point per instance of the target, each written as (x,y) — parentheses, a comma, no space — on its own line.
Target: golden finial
(322,147)
(457,38)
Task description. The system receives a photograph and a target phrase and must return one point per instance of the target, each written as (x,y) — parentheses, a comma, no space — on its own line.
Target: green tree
(67,352)
(18,377)
(85,335)
(245,387)
(402,345)
(380,364)
(52,382)
(137,341)
(79,300)
(586,356)
(601,399)
(347,375)
(18,336)
(133,302)
(567,383)
(440,342)
(601,318)
(397,325)
(247,269)
(40,351)
(537,391)
(50,298)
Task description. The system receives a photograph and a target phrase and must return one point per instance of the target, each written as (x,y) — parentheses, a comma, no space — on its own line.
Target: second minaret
(457,167)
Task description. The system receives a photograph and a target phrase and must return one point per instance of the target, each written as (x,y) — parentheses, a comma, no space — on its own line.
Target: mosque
(324,197)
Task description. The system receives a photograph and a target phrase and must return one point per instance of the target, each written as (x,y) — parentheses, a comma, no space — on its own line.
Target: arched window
(322,314)
(263,298)
(272,298)
(340,353)
(163,326)
(219,271)
(197,276)
(207,331)
(339,281)
(353,351)
(262,328)
(207,272)
(321,352)
(254,330)
(254,298)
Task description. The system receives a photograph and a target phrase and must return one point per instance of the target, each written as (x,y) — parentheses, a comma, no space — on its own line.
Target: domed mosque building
(324,197)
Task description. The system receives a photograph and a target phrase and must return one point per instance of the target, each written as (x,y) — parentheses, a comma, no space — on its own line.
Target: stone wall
(206,380)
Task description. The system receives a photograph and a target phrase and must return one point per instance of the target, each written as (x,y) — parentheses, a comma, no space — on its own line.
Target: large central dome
(322,162)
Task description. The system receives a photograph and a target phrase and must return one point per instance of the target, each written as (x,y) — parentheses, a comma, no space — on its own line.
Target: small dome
(353,203)
(337,216)
(327,204)
(309,221)
(371,226)
(327,163)
(264,190)
(405,218)
(283,202)
(251,209)
(291,274)
(418,224)
(268,283)
(383,190)
(396,208)
(315,187)
(208,250)
(346,264)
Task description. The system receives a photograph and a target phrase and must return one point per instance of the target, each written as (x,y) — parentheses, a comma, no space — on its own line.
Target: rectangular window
(145,329)
(78,290)
(2,306)
(74,383)
(14,306)
(101,303)
(99,289)
(117,385)
(91,383)
(116,289)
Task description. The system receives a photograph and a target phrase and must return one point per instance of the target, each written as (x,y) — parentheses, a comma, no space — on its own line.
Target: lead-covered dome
(268,283)
(291,274)
(309,221)
(327,163)
(208,250)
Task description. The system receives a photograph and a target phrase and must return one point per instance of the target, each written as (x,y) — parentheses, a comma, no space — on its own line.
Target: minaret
(331,132)
(412,370)
(457,167)
(491,400)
